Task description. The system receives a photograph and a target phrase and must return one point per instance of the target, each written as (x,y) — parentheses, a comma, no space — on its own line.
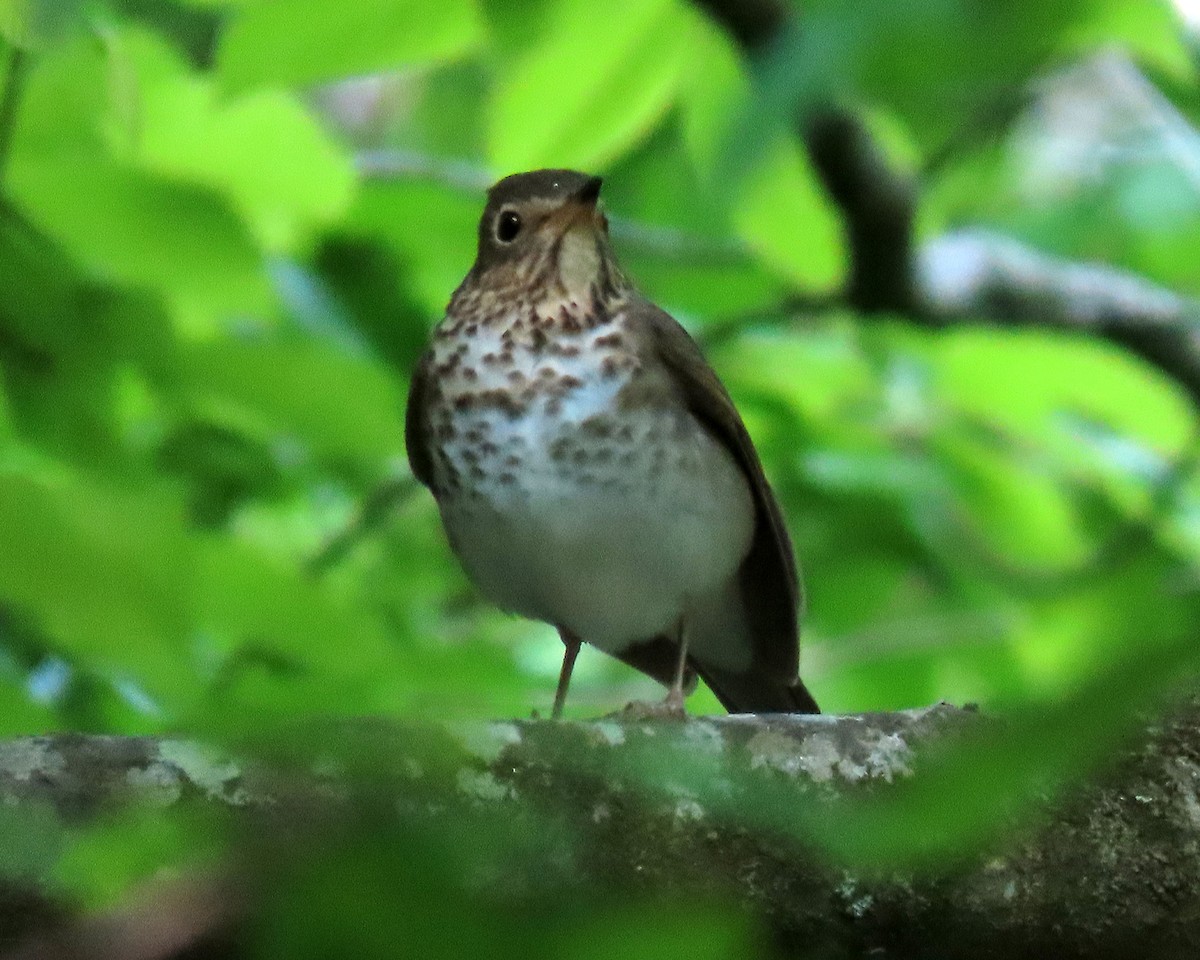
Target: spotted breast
(566,496)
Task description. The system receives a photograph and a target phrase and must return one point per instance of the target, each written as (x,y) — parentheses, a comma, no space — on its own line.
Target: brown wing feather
(416,433)
(769,577)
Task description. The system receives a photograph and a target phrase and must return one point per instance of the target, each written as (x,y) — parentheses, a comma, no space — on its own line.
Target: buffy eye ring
(508,225)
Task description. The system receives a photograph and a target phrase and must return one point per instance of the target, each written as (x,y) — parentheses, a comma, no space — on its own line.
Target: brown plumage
(590,467)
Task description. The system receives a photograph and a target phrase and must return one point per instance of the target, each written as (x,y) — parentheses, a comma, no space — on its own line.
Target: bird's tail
(758,693)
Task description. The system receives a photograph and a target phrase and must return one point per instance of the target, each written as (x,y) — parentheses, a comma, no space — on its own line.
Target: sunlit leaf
(138,228)
(304,41)
(262,150)
(600,79)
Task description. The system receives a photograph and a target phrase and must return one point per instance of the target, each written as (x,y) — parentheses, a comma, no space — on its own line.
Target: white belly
(612,538)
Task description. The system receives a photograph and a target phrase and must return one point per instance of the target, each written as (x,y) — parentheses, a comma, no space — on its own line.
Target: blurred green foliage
(219,259)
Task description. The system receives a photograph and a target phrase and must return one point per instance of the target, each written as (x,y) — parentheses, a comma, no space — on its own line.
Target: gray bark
(1110,869)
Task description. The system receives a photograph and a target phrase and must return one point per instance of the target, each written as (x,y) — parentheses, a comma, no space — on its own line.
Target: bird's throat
(580,262)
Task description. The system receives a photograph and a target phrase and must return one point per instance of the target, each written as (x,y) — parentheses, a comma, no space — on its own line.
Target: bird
(590,468)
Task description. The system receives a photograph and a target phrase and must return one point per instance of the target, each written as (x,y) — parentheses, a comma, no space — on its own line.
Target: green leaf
(431,228)
(785,216)
(339,405)
(106,572)
(1149,29)
(32,837)
(977,370)
(303,41)
(263,151)
(1022,513)
(779,209)
(138,228)
(599,80)
(35,23)
(250,599)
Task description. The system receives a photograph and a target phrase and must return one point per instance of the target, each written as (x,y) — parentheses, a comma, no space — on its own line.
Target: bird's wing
(769,577)
(416,431)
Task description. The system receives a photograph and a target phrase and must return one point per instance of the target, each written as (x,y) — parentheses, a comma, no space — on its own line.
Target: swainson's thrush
(591,469)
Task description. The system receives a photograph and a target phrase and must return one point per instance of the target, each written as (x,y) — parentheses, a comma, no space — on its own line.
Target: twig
(377,507)
(385,164)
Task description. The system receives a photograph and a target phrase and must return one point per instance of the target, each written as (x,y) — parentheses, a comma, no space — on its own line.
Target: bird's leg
(572,644)
(674,700)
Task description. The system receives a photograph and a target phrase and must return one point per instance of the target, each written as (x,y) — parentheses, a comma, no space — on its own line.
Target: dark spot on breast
(569,382)
(547,373)
(464,401)
(553,406)
(477,474)
(512,460)
(502,400)
(489,358)
(609,340)
(468,373)
(537,341)
(507,479)
(516,376)
(597,426)
(609,367)
(488,449)
(560,449)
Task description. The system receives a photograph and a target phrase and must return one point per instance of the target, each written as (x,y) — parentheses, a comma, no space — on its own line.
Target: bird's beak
(589,193)
(582,208)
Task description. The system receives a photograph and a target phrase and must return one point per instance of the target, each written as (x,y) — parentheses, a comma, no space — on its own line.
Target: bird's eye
(508,225)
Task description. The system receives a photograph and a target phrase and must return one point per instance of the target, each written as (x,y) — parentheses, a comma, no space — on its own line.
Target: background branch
(967,275)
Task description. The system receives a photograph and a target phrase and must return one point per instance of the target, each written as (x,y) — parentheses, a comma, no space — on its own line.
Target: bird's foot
(671,708)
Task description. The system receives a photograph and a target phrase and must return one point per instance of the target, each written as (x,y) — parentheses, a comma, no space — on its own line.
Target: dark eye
(508,225)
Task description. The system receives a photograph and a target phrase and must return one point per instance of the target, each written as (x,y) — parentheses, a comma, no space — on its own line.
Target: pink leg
(572,643)
(674,701)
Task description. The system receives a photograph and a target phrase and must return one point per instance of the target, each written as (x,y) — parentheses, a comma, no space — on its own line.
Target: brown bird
(590,468)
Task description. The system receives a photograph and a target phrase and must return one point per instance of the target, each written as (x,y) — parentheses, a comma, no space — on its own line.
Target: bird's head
(546,227)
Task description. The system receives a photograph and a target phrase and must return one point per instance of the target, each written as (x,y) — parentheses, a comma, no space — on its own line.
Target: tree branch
(976,274)
(1108,871)
(878,206)
(968,275)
